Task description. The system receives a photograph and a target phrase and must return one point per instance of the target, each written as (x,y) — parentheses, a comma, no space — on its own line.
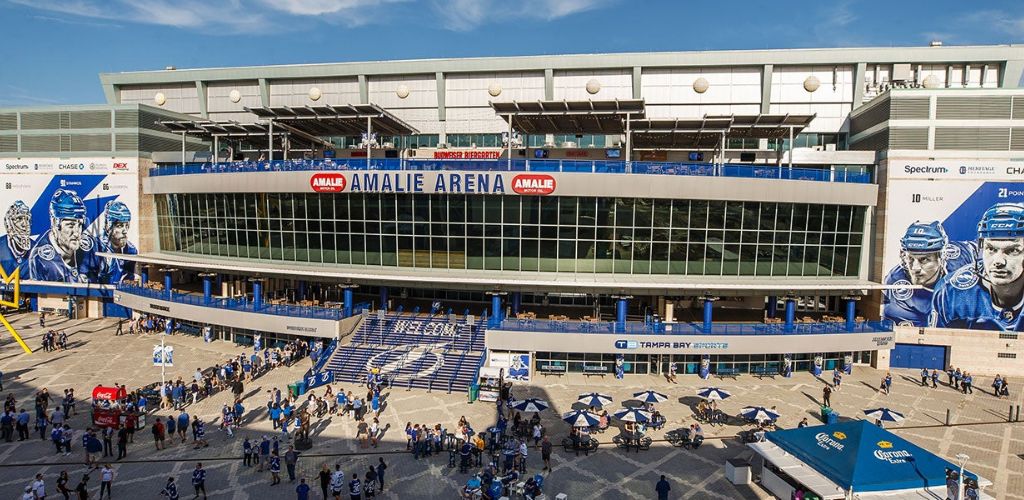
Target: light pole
(961,458)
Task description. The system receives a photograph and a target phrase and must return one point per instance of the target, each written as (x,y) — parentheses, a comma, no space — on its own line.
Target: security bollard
(947,417)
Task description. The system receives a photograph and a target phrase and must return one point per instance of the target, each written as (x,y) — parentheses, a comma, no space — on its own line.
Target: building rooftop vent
(935,43)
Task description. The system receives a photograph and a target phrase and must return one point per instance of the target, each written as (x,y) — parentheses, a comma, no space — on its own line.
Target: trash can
(833,417)
(474,392)
(825,412)
(300,387)
(293,389)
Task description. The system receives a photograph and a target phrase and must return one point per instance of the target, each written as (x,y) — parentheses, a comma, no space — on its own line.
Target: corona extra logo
(884,445)
(15,279)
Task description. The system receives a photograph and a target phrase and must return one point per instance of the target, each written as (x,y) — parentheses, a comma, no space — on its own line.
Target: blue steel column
(621,306)
(145,275)
(790,313)
(851,313)
(302,290)
(168,281)
(207,288)
(347,308)
(709,304)
(384,298)
(517,298)
(257,294)
(495,319)
(773,306)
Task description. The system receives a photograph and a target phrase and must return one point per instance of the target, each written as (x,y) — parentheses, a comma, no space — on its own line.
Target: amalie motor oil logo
(327,183)
(533,184)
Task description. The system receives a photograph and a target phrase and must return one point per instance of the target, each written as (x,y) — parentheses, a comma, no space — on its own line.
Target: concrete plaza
(97,356)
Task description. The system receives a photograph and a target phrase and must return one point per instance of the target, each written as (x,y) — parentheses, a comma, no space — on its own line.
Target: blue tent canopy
(864,457)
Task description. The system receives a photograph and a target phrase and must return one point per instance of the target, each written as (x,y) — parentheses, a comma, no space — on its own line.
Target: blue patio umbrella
(581,418)
(594,399)
(884,414)
(650,396)
(713,393)
(531,405)
(758,413)
(633,415)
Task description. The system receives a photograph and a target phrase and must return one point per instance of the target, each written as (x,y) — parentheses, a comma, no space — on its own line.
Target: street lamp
(961,458)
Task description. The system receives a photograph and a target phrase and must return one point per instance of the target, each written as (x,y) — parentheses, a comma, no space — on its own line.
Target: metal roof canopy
(208,129)
(335,120)
(707,131)
(561,117)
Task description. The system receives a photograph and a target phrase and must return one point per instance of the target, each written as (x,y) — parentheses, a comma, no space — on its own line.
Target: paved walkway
(97,356)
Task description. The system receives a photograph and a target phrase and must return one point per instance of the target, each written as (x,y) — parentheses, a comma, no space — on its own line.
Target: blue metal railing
(235,304)
(536,325)
(521,165)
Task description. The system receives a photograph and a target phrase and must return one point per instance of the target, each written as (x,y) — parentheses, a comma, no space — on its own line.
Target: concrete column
(670,311)
(790,313)
(347,308)
(225,288)
(773,306)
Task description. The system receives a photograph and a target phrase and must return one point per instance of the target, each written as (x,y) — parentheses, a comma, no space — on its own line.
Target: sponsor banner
(445,154)
(959,242)
(516,364)
(69,166)
(56,221)
(433,182)
(991,170)
(163,355)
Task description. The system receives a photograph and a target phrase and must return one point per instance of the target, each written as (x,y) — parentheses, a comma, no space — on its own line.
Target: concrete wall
(225,317)
(976,351)
(687,344)
(609,185)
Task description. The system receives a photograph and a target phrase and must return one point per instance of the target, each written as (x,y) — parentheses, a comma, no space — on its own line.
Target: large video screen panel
(60,214)
(956,231)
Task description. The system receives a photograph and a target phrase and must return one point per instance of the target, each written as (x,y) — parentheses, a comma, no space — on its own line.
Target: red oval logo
(533,184)
(327,183)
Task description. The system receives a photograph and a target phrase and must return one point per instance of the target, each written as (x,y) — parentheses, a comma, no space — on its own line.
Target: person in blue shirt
(65,252)
(302,490)
(116,221)
(988,294)
(926,255)
(275,469)
(183,421)
(16,244)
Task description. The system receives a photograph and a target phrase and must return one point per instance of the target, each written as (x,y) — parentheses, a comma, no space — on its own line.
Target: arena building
(729,212)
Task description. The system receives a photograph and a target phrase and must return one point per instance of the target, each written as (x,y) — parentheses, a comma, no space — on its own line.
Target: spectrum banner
(957,231)
(59,214)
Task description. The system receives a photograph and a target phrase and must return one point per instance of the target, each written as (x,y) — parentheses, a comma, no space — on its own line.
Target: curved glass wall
(519,233)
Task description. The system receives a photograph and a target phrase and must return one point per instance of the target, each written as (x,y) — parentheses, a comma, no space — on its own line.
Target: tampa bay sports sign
(527,184)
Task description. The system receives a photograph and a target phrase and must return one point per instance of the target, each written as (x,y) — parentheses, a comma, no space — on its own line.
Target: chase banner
(59,214)
(957,232)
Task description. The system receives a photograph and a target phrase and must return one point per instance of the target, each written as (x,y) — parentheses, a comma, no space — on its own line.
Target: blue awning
(864,457)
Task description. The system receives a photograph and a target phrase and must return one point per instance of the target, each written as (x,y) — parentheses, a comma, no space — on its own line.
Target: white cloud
(466,15)
(1012,25)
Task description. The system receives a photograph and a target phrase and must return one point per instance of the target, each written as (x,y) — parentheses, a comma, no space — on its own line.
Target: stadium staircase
(412,350)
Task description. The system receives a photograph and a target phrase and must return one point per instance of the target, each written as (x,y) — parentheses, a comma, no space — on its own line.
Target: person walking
(247,453)
(39,487)
(381,466)
(325,480)
(170,490)
(337,482)
(158,434)
(199,480)
(662,488)
(968,383)
(826,395)
(291,457)
(302,490)
(122,442)
(355,488)
(275,469)
(108,441)
(62,484)
(935,378)
(924,377)
(888,383)
(545,452)
(83,488)
(106,480)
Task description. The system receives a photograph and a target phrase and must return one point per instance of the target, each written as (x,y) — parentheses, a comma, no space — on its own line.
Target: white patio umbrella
(650,396)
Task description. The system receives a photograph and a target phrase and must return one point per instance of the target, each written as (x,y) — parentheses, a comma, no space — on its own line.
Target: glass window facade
(520,233)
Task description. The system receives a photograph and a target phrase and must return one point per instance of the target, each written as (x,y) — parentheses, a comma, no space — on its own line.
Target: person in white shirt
(28,495)
(106,479)
(39,487)
(337,481)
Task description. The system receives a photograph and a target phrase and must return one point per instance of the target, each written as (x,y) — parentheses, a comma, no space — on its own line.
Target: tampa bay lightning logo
(409,361)
(86,244)
(964,278)
(46,252)
(906,323)
(951,252)
(903,290)
(1007,314)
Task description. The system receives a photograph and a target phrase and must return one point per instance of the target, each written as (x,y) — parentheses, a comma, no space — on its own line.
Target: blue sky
(53,50)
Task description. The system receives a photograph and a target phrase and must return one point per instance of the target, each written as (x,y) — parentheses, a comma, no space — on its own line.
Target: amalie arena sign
(433,182)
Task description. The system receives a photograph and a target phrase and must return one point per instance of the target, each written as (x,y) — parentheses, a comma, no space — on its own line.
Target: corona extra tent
(853,460)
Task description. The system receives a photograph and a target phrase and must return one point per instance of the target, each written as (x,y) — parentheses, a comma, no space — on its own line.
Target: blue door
(918,356)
